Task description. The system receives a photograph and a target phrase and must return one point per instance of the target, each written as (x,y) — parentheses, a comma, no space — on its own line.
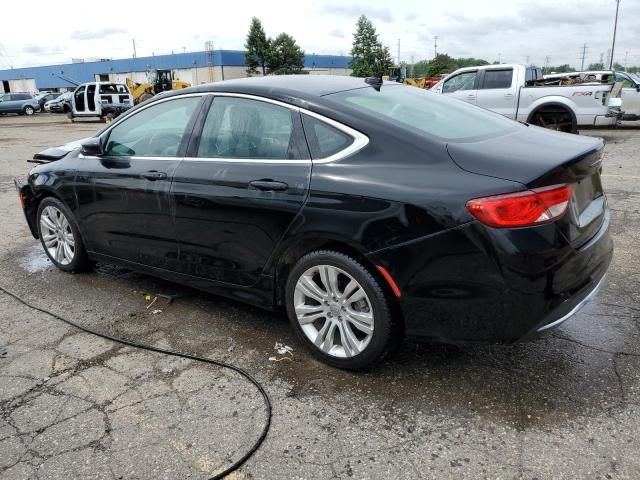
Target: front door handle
(154,175)
(268,185)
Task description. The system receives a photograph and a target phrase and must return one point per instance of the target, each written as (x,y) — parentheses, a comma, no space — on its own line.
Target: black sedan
(369,211)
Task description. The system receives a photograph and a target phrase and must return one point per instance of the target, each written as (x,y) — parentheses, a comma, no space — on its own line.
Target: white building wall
(23,85)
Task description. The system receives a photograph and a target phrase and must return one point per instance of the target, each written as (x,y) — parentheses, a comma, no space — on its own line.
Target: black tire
(387,332)
(144,97)
(80,261)
(28,110)
(554,118)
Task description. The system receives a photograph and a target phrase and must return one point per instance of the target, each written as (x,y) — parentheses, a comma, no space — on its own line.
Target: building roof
(63,76)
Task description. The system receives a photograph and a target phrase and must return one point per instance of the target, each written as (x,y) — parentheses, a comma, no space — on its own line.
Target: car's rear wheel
(29,110)
(60,236)
(340,311)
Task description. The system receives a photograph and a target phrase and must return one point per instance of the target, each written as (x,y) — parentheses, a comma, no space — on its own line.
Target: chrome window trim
(360,140)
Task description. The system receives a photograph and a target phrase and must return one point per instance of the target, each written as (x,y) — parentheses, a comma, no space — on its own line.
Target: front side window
(462,81)
(156,131)
(426,112)
(243,128)
(497,78)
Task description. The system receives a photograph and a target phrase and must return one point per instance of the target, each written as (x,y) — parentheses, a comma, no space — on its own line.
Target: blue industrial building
(66,75)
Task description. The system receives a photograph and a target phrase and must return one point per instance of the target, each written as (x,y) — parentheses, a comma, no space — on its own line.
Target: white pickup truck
(514,91)
(630,93)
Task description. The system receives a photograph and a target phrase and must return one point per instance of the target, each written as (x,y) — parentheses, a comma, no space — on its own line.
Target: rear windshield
(428,112)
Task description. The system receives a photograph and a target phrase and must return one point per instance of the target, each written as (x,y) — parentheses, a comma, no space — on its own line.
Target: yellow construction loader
(157,81)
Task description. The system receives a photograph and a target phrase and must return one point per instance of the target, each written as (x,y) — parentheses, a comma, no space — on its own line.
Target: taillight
(23,199)
(522,209)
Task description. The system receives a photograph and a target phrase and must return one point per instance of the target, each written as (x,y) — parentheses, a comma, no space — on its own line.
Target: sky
(509,31)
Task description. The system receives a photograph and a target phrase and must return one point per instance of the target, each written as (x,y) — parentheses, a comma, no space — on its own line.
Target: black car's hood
(56,153)
(526,155)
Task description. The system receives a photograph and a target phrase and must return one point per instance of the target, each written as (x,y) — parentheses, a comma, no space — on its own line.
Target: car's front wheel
(60,236)
(340,311)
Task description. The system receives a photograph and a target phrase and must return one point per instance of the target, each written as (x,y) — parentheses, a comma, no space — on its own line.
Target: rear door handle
(154,175)
(508,95)
(268,185)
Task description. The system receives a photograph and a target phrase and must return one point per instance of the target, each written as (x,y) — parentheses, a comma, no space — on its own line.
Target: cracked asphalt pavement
(73,405)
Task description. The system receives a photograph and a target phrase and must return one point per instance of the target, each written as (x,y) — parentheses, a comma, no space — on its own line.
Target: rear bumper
(575,305)
(475,284)
(607,120)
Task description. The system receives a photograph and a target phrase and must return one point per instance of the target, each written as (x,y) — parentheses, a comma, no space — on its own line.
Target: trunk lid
(536,157)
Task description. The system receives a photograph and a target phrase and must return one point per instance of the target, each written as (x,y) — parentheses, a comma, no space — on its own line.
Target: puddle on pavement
(35,260)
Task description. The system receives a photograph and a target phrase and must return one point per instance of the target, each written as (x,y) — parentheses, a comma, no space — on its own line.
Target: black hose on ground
(151,348)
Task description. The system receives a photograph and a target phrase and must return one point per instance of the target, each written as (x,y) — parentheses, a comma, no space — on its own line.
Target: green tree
(285,56)
(368,56)
(257,48)
(595,66)
(442,63)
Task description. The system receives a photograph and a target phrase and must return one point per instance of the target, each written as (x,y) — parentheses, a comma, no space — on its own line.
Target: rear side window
(497,79)
(324,140)
(22,96)
(426,112)
(243,128)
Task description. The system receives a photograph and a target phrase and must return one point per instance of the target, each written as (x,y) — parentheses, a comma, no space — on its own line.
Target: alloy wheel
(333,311)
(57,235)
(29,111)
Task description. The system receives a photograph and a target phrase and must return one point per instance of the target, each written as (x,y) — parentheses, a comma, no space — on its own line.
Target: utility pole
(398,52)
(435,46)
(134,48)
(626,56)
(527,61)
(546,64)
(584,54)
(499,58)
(615,28)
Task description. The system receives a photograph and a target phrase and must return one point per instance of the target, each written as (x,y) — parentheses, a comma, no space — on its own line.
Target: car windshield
(428,112)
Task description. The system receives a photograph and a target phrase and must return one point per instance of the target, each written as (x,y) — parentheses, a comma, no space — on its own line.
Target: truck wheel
(554,118)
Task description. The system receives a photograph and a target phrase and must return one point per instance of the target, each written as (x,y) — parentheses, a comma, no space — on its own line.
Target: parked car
(514,91)
(61,104)
(44,97)
(20,103)
(100,99)
(366,210)
(630,93)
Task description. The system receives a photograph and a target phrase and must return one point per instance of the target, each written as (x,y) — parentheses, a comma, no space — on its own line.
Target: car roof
(295,89)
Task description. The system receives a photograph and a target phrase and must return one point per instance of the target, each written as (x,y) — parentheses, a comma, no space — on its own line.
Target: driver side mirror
(92,147)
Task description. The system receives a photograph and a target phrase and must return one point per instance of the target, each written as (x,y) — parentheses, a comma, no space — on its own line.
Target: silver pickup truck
(515,91)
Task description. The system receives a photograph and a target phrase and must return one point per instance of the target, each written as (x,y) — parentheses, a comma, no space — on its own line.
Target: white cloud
(513,29)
